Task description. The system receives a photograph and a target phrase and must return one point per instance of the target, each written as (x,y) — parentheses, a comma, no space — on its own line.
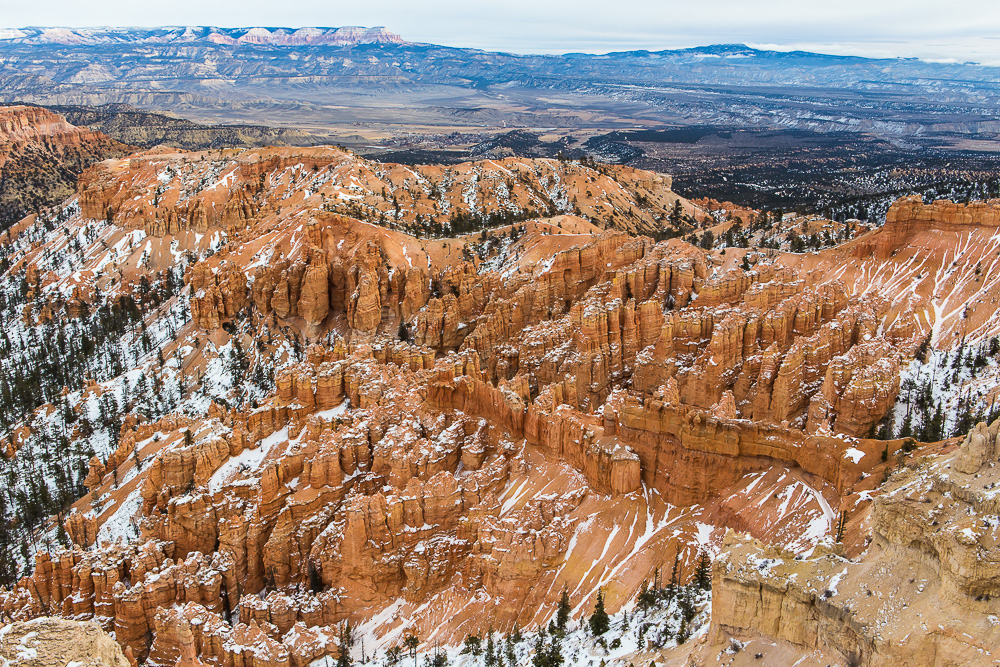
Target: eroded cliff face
(922,593)
(935,265)
(439,435)
(41,156)
(164,193)
(54,642)
(910,216)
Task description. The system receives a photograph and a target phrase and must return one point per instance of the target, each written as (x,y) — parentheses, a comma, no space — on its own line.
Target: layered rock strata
(429,434)
(923,592)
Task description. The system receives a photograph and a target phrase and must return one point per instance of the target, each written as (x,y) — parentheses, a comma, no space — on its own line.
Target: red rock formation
(444,429)
(40,155)
(910,215)
(218,293)
(933,547)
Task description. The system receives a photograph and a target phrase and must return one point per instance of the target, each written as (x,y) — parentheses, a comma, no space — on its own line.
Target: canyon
(426,400)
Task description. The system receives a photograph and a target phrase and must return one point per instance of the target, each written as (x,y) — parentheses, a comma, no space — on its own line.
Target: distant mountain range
(344,36)
(352,77)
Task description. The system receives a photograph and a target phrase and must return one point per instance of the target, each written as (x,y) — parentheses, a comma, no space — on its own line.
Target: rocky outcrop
(54,642)
(946,516)
(979,448)
(40,157)
(218,293)
(860,384)
(931,563)
(358,287)
(909,216)
(374,473)
(314,299)
(235,192)
(758,591)
(687,454)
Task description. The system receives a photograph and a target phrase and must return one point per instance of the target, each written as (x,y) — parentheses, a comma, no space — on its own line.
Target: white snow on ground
(248,460)
(835,581)
(579,647)
(949,382)
(514,498)
(854,454)
(819,527)
(338,411)
(25,653)
(118,527)
(704,534)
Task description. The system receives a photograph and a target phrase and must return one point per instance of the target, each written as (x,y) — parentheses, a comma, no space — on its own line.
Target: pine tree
(682,632)
(437,659)
(685,602)
(675,576)
(344,657)
(473,645)
(393,655)
(555,657)
(599,621)
(508,650)
(703,572)
(541,655)
(562,613)
(645,599)
(61,536)
(411,643)
(547,653)
(492,656)
(676,213)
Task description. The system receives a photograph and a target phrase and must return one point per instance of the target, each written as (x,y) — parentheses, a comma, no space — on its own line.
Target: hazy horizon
(969,32)
(873,51)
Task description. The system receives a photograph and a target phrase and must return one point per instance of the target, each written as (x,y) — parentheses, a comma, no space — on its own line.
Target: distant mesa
(343,36)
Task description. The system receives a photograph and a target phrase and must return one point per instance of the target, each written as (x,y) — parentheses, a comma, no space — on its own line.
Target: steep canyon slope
(303,388)
(41,156)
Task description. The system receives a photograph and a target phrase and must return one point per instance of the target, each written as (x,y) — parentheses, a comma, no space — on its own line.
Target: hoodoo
(280,405)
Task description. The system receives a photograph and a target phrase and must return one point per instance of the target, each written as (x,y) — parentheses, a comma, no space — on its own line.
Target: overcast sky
(953,29)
